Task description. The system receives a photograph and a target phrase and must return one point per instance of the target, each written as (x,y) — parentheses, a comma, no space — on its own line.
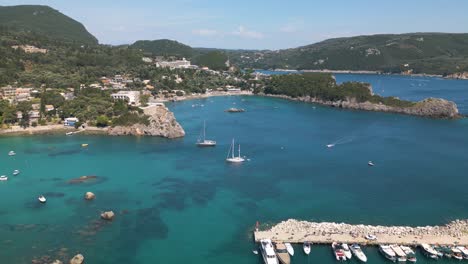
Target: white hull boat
(357,251)
(231,157)
(456,253)
(69,133)
(400,254)
(3,178)
(346,250)
(464,251)
(306,248)
(11,153)
(16,172)
(410,255)
(202,141)
(268,252)
(289,248)
(370,163)
(387,252)
(330,145)
(429,251)
(42,199)
(338,251)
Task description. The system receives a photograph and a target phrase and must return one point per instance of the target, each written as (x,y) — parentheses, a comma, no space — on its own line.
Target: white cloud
(204,32)
(245,33)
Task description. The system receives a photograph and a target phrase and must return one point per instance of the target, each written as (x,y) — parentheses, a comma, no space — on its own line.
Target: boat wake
(343,140)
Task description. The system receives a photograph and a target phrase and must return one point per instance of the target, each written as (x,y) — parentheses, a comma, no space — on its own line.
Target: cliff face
(431,107)
(162,123)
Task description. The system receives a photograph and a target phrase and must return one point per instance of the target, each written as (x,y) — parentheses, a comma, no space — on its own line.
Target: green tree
(102,121)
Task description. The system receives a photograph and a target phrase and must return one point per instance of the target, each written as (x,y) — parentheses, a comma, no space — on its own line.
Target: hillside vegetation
(46,21)
(432,53)
(164,47)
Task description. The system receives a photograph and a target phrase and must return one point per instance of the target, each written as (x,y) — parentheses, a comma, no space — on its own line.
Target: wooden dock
(293,231)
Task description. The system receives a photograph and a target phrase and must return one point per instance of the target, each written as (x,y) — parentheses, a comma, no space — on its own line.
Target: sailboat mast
(204,132)
(239,151)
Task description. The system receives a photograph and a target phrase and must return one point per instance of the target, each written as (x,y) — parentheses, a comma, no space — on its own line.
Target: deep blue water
(177,203)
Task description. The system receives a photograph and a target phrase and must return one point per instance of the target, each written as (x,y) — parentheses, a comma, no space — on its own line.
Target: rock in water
(162,122)
(89,196)
(109,215)
(78,259)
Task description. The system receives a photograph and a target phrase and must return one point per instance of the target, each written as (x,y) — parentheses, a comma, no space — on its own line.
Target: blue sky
(257,24)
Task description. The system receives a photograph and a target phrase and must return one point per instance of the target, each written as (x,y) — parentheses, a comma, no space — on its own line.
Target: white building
(70,121)
(177,64)
(132,97)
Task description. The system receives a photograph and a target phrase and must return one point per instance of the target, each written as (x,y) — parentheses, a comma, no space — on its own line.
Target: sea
(178,203)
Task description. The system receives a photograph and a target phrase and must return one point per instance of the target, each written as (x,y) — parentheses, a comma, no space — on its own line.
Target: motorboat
(338,251)
(69,133)
(255,252)
(235,110)
(330,145)
(16,172)
(456,253)
(202,141)
(3,178)
(387,252)
(11,153)
(410,255)
(268,252)
(231,158)
(42,199)
(357,251)
(370,237)
(289,248)
(370,163)
(346,250)
(400,254)
(464,251)
(306,248)
(444,251)
(282,253)
(84,145)
(429,251)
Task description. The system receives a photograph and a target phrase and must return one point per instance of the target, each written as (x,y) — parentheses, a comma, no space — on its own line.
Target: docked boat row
(435,252)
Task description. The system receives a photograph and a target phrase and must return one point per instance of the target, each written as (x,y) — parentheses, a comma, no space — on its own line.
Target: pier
(294,231)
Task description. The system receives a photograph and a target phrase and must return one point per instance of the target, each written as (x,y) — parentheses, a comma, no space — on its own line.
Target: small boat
(357,251)
(282,253)
(231,158)
(346,250)
(268,252)
(16,172)
(410,255)
(289,248)
(444,251)
(202,141)
(370,237)
(338,251)
(3,178)
(387,252)
(11,153)
(235,110)
(255,252)
(370,163)
(306,248)
(456,253)
(429,251)
(42,199)
(69,133)
(84,145)
(400,254)
(330,145)
(464,251)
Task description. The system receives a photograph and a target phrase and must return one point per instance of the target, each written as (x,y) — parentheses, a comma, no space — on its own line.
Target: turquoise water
(176,203)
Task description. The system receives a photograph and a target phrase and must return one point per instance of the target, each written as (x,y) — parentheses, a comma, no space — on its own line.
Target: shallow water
(175,202)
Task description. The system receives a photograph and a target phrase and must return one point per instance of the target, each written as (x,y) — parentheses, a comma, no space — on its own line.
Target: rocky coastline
(430,107)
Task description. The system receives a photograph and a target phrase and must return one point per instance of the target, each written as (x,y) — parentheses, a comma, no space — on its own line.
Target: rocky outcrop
(78,259)
(458,75)
(431,107)
(109,215)
(89,196)
(162,123)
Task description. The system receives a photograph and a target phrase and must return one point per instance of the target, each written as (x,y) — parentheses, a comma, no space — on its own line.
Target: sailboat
(231,158)
(202,141)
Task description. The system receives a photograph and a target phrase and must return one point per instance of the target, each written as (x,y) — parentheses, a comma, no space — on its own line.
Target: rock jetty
(430,107)
(162,123)
(295,231)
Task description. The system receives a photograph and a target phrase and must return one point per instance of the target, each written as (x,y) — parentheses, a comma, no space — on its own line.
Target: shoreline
(49,130)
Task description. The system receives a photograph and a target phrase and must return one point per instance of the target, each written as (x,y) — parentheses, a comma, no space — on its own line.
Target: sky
(257,24)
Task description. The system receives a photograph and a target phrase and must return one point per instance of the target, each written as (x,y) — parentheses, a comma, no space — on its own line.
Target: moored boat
(410,255)
(400,254)
(268,252)
(289,248)
(387,252)
(231,157)
(456,253)
(3,178)
(282,253)
(16,172)
(202,141)
(235,110)
(370,163)
(346,251)
(429,251)
(69,133)
(42,199)
(306,248)
(338,251)
(11,153)
(464,251)
(444,251)
(357,251)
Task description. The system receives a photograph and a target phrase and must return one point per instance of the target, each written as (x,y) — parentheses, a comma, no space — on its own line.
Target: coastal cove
(154,184)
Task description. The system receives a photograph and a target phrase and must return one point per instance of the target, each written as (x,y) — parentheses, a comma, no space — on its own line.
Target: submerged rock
(82,179)
(109,215)
(77,259)
(162,122)
(89,196)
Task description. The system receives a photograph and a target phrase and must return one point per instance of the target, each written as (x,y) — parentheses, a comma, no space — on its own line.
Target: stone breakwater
(431,107)
(162,122)
(295,231)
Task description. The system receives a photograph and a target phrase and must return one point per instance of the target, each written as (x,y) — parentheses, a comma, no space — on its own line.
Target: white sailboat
(231,158)
(202,141)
